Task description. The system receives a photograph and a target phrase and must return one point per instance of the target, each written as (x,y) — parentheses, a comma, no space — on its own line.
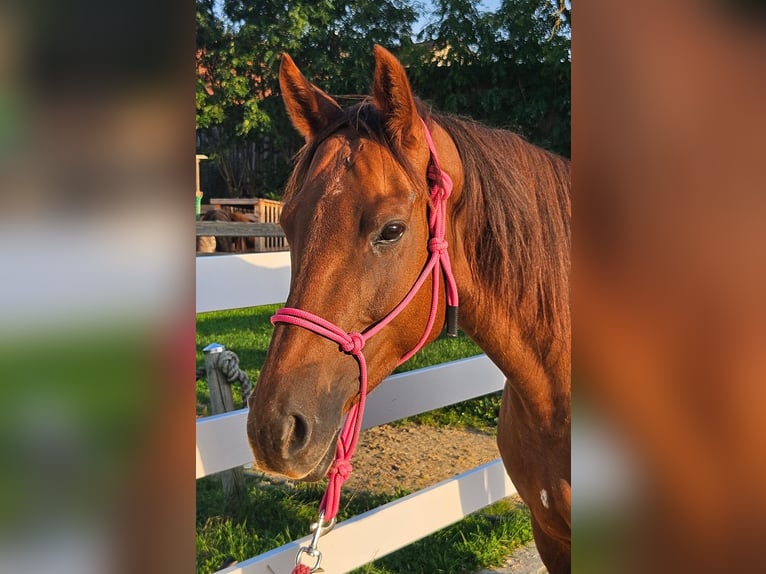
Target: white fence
(232,281)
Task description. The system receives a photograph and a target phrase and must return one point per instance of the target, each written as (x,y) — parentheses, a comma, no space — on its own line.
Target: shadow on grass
(265,518)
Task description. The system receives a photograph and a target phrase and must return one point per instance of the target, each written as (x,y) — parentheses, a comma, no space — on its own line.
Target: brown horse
(223,244)
(356,218)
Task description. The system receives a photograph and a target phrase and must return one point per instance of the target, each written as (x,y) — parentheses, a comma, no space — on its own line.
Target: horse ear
(309,108)
(393,97)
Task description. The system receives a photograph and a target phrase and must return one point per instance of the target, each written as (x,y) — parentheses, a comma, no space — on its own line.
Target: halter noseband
(353,343)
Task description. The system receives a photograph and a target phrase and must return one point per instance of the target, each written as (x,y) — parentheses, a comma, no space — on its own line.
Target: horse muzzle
(293,442)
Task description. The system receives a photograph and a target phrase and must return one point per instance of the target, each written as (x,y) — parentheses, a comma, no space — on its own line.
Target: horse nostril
(296,435)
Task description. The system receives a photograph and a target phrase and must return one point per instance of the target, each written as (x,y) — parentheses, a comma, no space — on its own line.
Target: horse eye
(392,232)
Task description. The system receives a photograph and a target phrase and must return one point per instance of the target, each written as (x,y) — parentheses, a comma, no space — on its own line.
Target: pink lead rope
(353,343)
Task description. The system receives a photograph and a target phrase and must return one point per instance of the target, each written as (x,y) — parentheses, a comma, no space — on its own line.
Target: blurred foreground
(97,275)
(669,283)
(96,287)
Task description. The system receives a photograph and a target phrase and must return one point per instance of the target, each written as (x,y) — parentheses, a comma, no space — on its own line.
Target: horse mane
(517,207)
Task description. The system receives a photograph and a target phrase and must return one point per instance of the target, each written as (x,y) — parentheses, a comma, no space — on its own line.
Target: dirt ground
(414,457)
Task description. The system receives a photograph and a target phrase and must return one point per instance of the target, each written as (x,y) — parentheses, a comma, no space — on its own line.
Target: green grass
(247,332)
(273,514)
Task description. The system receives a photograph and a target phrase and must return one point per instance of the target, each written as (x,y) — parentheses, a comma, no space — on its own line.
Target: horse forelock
(364,121)
(318,182)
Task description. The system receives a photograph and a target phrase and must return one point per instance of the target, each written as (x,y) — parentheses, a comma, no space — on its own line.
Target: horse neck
(534,355)
(541,378)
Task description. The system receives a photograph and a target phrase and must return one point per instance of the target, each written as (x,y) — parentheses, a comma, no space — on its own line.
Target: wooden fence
(263,211)
(267,236)
(257,279)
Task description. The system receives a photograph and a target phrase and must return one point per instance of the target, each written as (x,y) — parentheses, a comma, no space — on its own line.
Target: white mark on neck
(544,498)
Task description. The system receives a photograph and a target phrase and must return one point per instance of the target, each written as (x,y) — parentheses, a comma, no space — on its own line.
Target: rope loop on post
(228,363)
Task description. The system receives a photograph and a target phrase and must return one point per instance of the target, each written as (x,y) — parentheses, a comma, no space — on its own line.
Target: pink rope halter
(353,343)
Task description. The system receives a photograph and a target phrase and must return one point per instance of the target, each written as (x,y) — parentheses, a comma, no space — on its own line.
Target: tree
(240,118)
(510,69)
(234,83)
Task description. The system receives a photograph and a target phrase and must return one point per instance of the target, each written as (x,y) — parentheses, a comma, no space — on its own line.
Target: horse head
(356,217)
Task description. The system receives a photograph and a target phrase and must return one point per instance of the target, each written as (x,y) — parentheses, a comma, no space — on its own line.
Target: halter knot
(436,244)
(354,344)
(340,467)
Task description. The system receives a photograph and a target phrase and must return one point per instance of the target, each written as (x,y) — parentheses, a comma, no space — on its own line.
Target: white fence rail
(232,281)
